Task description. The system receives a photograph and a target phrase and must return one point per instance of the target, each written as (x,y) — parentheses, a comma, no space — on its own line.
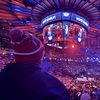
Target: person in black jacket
(24,80)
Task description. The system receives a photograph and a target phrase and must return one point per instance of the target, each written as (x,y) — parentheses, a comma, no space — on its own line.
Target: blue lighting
(65,16)
(79,39)
(21,11)
(50,37)
(51,18)
(80,20)
(20,8)
(94,58)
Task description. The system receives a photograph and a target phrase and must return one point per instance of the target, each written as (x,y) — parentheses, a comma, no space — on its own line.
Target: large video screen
(63,31)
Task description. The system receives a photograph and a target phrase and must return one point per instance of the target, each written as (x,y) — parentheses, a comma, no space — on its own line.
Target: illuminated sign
(51,18)
(82,21)
(65,16)
(56,17)
(48,19)
(78,19)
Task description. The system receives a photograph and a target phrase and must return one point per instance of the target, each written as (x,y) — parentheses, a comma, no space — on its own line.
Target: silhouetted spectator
(24,79)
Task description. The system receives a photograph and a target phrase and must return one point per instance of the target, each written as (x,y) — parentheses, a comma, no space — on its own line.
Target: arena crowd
(80,85)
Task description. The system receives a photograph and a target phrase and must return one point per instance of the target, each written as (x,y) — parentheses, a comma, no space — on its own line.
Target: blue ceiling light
(20,9)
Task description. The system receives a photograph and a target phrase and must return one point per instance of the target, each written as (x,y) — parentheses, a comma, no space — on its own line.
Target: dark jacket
(26,81)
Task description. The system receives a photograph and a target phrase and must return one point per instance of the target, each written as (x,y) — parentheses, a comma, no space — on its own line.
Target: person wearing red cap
(24,80)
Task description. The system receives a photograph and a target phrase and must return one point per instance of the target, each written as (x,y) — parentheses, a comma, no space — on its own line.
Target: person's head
(27,48)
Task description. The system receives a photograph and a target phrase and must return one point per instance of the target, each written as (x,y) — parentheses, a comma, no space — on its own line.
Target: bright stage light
(73,46)
(79,39)
(50,38)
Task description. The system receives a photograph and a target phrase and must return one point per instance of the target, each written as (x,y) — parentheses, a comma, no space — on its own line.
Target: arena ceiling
(87,8)
(27,14)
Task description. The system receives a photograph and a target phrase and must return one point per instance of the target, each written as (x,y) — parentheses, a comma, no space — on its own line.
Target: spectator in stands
(98,94)
(85,96)
(24,79)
